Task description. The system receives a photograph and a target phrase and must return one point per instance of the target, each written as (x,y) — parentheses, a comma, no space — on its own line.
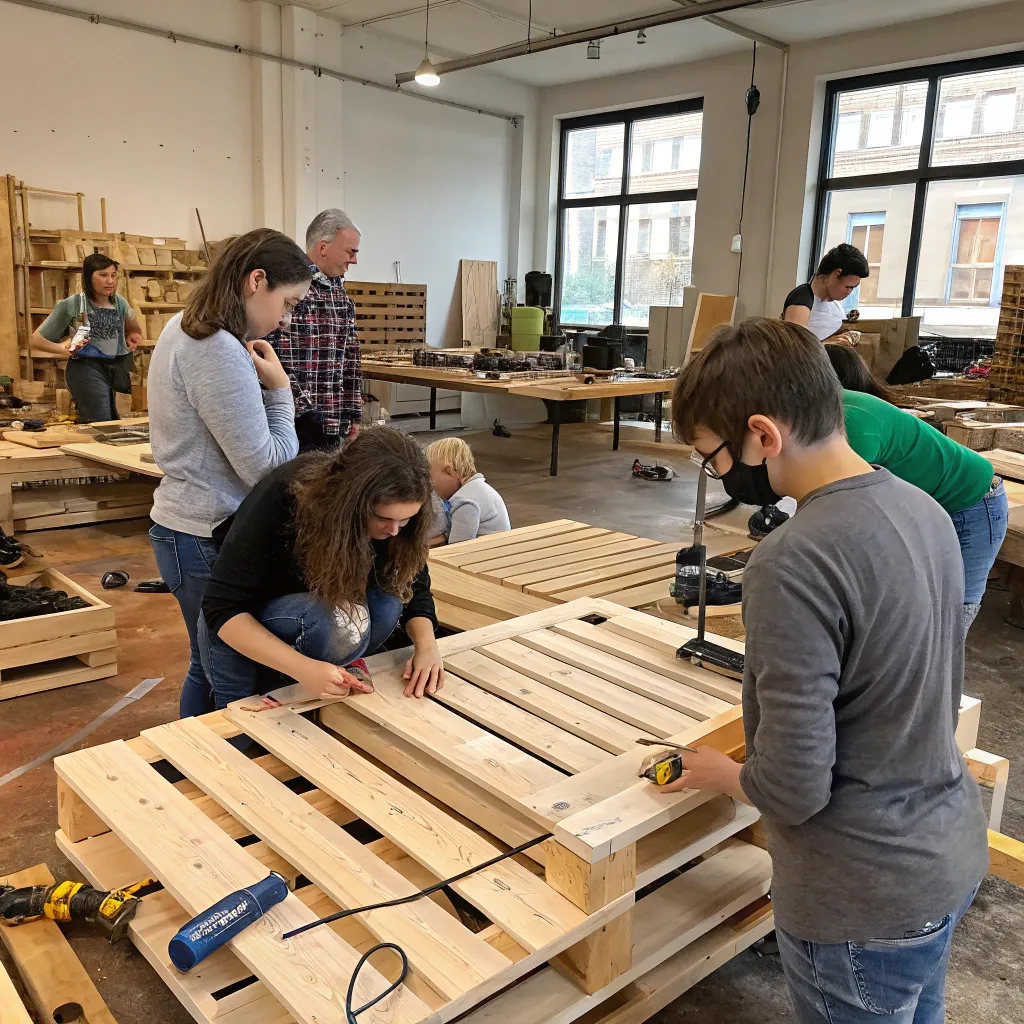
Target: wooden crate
(44,652)
(497,758)
(392,314)
(564,560)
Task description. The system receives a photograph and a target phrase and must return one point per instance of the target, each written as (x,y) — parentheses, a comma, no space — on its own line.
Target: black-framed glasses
(704,461)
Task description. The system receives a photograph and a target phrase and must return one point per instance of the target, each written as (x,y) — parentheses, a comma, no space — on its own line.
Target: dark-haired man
(818,305)
(854,666)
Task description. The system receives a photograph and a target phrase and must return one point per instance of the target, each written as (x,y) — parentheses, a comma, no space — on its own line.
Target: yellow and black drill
(72,901)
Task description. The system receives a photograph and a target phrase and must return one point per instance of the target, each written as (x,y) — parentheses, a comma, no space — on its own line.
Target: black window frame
(922,175)
(623,199)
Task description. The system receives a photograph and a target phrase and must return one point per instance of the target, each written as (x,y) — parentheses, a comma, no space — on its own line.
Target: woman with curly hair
(324,558)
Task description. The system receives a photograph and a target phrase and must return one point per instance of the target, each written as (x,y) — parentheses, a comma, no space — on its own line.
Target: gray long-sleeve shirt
(477,509)
(854,667)
(215,432)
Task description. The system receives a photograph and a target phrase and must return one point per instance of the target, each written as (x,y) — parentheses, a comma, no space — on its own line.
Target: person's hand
(322,679)
(846,338)
(853,316)
(424,672)
(271,373)
(132,341)
(706,768)
(353,432)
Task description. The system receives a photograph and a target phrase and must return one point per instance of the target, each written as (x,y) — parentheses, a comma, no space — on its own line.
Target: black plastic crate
(954,355)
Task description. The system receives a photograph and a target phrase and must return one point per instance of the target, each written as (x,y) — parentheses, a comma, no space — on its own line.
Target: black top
(801,295)
(257,560)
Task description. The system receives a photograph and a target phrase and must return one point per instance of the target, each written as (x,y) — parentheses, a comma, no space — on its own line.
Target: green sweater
(915,451)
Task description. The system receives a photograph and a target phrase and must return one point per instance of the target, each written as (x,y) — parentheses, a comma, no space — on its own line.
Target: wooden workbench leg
(433,408)
(6,506)
(556,422)
(659,400)
(615,426)
(74,817)
(601,957)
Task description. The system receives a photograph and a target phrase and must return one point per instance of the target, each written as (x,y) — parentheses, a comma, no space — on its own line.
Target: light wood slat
(662,634)
(309,974)
(566,712)
(639,596)
(653,684)
(614,698)
(464,590)
(614,554)
(534,734)
(578,540)
(450,957)
(598,570)
(462,619)
(12,1011)
(557,554)
(664,922)
(492,540)
(607,808)
(521,904)
(506,543)
(643,656)
(660,575)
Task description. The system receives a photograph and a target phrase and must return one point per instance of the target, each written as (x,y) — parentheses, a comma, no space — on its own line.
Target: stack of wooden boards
(564,560)
(389,314)
(45,652)
(501,756)
(1008,358)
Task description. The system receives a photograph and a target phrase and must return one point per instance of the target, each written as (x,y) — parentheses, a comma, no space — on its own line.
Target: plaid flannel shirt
(320,352)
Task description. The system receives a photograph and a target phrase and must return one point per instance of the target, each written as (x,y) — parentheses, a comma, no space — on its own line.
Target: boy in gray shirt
(851,689)
(474,507)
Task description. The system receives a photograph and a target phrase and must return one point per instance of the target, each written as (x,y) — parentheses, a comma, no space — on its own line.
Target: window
(932,192)
(625,243)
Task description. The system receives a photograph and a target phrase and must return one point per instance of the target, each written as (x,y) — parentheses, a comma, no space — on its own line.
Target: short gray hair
(326,225)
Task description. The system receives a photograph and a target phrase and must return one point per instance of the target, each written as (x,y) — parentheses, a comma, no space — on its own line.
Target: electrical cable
(753,99)
(350,1014)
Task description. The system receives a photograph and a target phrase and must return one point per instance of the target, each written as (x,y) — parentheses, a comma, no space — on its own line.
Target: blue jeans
(902,981)
(305,623)
(980,530)
(186,563)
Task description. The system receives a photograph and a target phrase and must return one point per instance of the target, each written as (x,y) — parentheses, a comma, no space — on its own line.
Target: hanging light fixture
(594,49)
(425,73)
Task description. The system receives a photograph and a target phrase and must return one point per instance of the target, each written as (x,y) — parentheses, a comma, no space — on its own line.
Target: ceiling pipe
(698,10)
(747,33)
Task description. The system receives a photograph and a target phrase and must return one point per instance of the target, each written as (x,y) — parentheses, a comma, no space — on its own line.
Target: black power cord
(350,1014)
(753,101)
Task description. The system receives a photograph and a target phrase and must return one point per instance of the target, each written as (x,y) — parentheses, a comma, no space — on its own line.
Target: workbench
(570,388)
(521,745)
(124,457)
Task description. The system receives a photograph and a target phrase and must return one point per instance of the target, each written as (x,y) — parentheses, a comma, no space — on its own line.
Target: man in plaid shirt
(319,348)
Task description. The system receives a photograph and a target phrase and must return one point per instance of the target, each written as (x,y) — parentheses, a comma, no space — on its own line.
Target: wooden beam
(1006,857)
(9,348)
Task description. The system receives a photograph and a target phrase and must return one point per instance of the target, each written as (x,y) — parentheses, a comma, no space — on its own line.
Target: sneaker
(10,557)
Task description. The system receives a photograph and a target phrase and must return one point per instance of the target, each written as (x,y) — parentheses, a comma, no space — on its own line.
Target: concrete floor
(594,485)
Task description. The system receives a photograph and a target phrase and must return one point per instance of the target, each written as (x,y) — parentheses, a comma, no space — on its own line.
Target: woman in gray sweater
(221,416)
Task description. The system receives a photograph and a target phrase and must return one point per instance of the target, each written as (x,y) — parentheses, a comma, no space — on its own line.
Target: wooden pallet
(45,652)
(501,755)
(392,314)
(564,560)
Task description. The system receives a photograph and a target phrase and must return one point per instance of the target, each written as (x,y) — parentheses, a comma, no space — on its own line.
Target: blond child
(476,507)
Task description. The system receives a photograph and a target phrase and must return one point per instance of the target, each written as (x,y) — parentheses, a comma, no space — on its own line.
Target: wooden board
(710,312)
(52,974)
(479,283)
(126,457)
(52,437)
(12,1010)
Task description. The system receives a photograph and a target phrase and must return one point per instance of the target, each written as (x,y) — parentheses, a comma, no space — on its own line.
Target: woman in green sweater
(960,480)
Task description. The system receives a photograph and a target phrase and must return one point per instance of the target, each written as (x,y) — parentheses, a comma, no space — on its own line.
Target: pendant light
(425,73)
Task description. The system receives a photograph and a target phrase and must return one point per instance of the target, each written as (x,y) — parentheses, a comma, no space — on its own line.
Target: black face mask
(749,484)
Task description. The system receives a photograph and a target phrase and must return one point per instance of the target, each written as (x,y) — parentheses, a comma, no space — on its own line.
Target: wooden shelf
(160,305)
(54,265)
(139,269)
(41,310)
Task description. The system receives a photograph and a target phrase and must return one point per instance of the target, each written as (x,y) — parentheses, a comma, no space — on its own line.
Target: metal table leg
(433,408)
(658,399)
(615,427)
(556,422)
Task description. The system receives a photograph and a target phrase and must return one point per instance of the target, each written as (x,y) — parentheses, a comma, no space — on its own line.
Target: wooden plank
(608,807)
(612,567)
(641,655)
(462,619)
(664,922)
(59,647)
(53,976)
(537,735)
(481,561)
(479,281)
(602,956)
(491,541)
(101,515)
(476,595)
(548,703)
(627,584)
(548,563)
(51,437)
(1005,463)
(450,957)
(10,363)
(694,703)
(607,556)
(710,312)
(12,1010)
(64,672)
(124,457)
(199,865)
(527,909)
(1006,857)
(614,698)
(661,634)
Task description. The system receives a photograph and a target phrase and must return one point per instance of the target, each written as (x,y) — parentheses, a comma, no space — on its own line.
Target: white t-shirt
(826,316)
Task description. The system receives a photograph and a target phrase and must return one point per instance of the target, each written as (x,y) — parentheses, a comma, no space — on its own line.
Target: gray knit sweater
(215,432)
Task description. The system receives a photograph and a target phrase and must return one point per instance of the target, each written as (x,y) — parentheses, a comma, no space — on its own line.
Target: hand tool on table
(691,568)
(73,901)
(664,766)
